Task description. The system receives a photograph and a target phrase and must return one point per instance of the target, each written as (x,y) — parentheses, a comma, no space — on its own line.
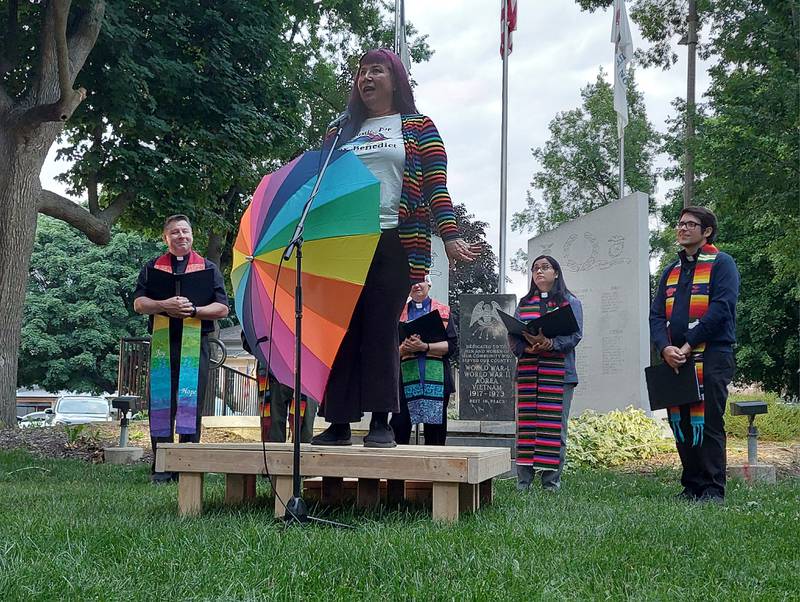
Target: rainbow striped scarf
(540,396)
(698,305)
(160,369)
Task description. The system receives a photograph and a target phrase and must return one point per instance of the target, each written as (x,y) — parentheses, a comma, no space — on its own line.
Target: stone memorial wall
(487,366)
(604,257)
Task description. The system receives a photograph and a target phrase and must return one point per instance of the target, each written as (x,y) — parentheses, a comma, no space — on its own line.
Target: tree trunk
(19,192)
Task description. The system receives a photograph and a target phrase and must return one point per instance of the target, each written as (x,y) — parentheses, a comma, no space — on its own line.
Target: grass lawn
(72,530)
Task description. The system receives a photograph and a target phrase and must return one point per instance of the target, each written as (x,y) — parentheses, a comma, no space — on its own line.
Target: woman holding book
(546,378)
(426,379)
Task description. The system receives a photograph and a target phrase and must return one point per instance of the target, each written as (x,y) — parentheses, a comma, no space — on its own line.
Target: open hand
(457,249)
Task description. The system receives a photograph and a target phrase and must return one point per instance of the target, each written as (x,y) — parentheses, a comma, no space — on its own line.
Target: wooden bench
(461,477)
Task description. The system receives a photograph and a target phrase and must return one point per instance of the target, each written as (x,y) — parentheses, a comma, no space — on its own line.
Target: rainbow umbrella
(341,233)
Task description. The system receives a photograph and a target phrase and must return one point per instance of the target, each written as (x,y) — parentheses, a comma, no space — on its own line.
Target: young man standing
(693,315)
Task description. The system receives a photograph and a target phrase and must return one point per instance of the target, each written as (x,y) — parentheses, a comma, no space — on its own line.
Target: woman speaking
(404,151)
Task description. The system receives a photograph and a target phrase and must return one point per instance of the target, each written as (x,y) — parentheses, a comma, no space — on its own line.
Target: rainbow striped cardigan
(424,192)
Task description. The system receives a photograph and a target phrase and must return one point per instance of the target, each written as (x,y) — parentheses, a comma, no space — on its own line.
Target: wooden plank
(369,493)
(486,492)
(355,450)
(493,465)
(250,486)
(419,492)
(445,502)
(234,489)
(190,494)
(468,497)
(395,492)
(283,492)
(332,493)
(327,464)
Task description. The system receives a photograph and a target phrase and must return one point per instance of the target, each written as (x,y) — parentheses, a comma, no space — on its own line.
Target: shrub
(780,423)
(614,438)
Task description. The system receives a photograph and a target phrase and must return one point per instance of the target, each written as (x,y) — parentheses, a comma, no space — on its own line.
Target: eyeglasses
(687,225)
(545,267)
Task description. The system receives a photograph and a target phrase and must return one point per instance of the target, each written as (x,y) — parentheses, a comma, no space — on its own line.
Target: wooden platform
(461,477)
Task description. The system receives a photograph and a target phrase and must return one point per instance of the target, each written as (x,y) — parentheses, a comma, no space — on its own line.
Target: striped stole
(161,371)
(698,305)
(540,395)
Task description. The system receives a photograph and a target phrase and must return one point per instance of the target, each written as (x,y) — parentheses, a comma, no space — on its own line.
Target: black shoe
(380,436)
(711,498)
(686,496)
(335,434)
(163,478)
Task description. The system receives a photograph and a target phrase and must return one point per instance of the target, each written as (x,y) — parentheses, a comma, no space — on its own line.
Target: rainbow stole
(540,396)
(698,305)
(424,396)
(160,369)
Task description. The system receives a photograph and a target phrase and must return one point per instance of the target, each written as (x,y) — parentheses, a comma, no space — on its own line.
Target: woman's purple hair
(402,100)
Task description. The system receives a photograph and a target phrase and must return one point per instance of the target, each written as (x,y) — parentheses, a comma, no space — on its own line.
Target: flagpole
(622,165)
(503,160)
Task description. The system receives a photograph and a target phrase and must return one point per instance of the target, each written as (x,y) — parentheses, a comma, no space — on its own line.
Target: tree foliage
(661,22)
(79,305)
(579,162)
(746,154)
(479,276)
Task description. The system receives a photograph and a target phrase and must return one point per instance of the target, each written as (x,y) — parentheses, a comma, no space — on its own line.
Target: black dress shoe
(335,434)
(711,498)
(163,478)
(686,496)
(380,435)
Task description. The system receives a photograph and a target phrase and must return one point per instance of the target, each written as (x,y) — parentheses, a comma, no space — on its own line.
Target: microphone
(341,120)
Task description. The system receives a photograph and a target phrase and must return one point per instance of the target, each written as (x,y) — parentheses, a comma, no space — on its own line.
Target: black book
(429,327)
(198,286)
(559,322)
(665,388)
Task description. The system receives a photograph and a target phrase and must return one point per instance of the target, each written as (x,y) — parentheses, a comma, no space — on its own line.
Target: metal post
(504,161)
(622,165)
(752,442)
(688,170)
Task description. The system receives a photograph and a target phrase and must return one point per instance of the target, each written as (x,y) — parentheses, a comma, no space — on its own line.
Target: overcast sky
(557,51)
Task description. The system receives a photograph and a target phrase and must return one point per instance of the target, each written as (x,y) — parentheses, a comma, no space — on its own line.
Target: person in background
(180,258)
(426,377)
(693,316)
(546,378)
(274,400)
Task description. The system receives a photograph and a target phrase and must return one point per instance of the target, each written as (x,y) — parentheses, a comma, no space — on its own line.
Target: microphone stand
(296,509)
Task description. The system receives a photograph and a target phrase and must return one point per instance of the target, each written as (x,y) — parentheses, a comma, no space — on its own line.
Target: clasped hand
(412,345)
(177,307)
(537,342)
(676,357)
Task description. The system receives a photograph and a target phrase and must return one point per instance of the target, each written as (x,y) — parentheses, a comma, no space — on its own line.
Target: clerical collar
(544,294)
(418,305)
(690,258)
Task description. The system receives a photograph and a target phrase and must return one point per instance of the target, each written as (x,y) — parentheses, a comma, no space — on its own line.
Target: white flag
(623,52)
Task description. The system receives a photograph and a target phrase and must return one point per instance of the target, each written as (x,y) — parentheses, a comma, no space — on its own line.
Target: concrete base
(753,473)
(122,455)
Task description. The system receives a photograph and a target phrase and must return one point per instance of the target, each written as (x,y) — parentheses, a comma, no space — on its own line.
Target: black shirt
(179,267)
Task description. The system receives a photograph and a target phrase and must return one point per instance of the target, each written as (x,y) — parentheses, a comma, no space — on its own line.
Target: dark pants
(280,398)
(435,434)
(365,376)
(704,465)
(202,380)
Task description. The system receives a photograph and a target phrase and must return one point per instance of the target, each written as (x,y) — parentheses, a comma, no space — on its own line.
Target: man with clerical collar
(178,327)
(693,316)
